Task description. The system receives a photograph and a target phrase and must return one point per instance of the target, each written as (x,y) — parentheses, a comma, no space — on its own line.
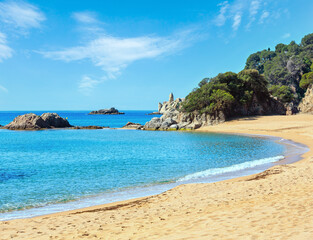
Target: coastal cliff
(306,105)
(226,96)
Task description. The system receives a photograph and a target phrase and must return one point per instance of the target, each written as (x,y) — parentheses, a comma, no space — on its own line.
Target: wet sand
(274,204)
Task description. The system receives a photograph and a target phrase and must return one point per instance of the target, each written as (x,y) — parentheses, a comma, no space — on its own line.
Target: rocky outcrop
(306,104)
(174,119)
(32,121)
(89,127)
(55,121)
(131,125)
(170,104)
(111,111)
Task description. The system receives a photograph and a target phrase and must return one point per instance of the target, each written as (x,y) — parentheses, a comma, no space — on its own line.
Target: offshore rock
(32,121)
(111,111)
(132,125)
(55,121)
(89,127)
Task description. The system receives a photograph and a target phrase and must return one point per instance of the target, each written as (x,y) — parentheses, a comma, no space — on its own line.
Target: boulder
(32,121)
(132,125)
(28,121)
(55,121)
(111,111)
(154,124)
(167,123)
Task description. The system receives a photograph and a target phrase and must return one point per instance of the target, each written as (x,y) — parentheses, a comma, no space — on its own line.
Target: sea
(49,171)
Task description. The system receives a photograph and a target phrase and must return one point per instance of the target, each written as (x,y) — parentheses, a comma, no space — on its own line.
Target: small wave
(233,168)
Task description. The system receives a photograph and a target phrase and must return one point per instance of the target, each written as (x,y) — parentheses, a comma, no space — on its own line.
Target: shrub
(306,80)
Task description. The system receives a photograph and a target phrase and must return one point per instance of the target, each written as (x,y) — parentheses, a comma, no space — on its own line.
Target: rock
(167,123)
(28,121)
(32,121)
(111,111)
(132,125)
(155,113)
(159,107)
(306,104)
(55,121)
(171,98)
(89,127)
(153,124)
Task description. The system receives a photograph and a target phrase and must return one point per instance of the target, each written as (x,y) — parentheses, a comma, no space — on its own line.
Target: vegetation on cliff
(286,66)
(285,74)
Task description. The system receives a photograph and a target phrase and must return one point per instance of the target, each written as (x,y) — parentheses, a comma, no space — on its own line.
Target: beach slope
(275,204)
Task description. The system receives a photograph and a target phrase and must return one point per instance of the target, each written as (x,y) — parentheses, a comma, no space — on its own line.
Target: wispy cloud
(5,50)
(286,35)
(21,14)
(113,54)
(243,12)
(87,84)
(85,17)
(221,18)
(3,89)
(264,16)
(237,21)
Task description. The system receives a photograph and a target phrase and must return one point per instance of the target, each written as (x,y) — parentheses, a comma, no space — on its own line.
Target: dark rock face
(111,111)
(32,121)
(54,120)
(133,125)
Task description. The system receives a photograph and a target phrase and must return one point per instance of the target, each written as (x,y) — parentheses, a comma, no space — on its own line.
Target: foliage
(225,91)
(283,93)
(306,80)
(286,65)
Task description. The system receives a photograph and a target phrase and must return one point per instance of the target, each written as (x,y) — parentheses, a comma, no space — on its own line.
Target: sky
(87,55)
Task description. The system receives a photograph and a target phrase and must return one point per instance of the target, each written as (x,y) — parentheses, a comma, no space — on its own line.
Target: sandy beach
(275,204)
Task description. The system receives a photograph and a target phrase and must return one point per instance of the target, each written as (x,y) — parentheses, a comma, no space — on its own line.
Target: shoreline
(133,193)
(226,202)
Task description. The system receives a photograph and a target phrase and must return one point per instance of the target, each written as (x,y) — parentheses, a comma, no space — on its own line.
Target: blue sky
(81,55)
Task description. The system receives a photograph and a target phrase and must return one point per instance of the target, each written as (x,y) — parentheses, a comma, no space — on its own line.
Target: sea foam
(229,169)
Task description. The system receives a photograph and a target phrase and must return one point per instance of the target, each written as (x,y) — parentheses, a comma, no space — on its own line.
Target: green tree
(306,80)
(283,93)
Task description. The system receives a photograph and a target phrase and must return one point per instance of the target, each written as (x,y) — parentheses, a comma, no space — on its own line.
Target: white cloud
(237,21)
(221,18)
(85,17)
(5,50)
(21,14)
(87,84)
(264,15)
(254,7)
(286,35)
(3,89)
(113,54)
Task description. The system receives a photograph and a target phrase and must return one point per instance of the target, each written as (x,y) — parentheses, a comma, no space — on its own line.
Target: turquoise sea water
(38,168)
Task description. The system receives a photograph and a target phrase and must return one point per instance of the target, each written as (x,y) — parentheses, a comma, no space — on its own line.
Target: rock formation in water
(306,105)
(111,111)
(132,125)
(32,121)
(89,127)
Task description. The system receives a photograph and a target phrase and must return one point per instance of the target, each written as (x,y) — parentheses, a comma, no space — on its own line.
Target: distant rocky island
(111,111)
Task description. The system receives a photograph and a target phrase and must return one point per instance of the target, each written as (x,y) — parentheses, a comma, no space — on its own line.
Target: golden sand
(275,204)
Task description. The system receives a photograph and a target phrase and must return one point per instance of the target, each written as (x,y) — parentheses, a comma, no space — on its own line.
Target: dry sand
(275,204)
